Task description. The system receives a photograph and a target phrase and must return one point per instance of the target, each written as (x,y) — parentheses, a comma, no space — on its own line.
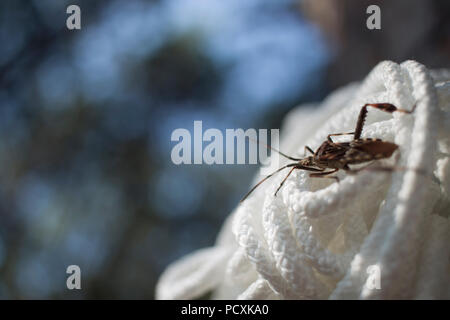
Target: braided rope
(317,239)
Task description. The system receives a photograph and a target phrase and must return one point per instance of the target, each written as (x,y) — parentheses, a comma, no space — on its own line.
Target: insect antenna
(252,189)
(278,151)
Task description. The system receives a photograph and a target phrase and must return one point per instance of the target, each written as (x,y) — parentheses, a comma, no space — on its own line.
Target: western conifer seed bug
(339,155)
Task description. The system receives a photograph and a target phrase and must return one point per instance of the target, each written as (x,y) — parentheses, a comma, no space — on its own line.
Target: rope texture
(317,239)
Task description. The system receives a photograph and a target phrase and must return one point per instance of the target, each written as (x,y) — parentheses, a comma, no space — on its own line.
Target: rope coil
(317,239)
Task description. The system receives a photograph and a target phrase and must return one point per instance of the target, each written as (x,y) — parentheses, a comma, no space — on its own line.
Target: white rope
(318,238)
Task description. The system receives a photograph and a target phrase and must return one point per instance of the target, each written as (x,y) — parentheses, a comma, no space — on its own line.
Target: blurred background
(86,118)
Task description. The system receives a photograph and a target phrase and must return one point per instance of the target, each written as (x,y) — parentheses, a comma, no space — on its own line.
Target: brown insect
(339,155)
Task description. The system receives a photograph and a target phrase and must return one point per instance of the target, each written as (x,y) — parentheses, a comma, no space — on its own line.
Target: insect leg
(325,175)
(386,107)
(385,169)
(297,167)
(369,168)
(287,166)
(308,149)
(338,134)
(282,182)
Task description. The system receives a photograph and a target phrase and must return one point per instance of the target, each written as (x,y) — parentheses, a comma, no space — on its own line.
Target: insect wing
(375,148)
(332,151)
